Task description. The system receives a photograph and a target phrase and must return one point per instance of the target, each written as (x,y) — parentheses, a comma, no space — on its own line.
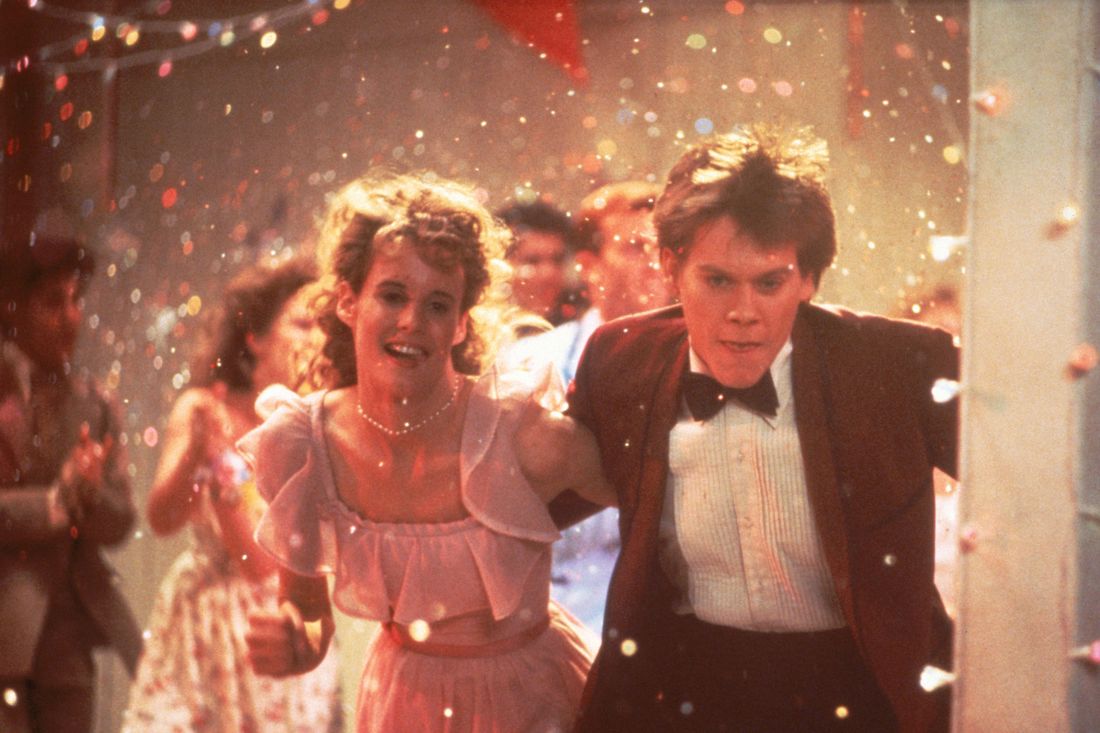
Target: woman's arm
(295,639)
(238,508)
(174,495)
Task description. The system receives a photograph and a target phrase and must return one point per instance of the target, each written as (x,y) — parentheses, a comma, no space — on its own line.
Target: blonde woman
(421,482)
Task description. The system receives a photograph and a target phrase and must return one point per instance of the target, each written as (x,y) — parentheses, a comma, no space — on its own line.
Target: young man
(777,538)
(63,494)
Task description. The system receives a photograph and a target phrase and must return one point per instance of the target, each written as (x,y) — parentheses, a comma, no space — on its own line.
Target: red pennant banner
(549,25)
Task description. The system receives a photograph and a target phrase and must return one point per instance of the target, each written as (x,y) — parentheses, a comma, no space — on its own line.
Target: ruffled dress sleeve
(495,491)
(296,529)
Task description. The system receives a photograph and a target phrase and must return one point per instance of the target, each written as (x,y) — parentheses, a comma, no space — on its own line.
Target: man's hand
(82,474)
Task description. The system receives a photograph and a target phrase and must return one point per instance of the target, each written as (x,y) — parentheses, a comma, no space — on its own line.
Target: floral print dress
(194,675)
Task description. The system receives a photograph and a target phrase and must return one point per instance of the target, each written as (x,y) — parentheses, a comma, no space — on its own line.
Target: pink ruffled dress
(469,639)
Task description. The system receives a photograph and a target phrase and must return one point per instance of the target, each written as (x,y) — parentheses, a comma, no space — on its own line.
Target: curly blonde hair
(450,230)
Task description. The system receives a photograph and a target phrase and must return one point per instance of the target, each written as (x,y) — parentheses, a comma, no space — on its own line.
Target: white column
(1025,314)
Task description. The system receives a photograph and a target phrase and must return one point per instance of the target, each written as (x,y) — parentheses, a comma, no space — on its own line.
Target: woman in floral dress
(194,676)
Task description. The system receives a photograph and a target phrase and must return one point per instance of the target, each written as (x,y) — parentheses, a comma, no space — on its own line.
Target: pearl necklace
(409,428)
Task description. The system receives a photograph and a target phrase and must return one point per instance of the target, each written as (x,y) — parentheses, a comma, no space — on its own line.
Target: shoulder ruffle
(295,529)
(495,491)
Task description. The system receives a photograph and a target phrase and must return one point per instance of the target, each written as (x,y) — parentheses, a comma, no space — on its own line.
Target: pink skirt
(533,689)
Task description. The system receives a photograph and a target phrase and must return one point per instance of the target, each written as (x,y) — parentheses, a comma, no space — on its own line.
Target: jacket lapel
(812,416)
(642,510)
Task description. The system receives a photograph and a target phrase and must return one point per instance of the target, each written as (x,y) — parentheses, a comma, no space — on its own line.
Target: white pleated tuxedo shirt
(737,531)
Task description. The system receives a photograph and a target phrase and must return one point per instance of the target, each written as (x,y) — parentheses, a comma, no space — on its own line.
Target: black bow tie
(705,395)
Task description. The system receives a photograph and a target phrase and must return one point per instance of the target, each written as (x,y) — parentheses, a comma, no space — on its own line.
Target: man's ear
(670,266)
(807,288)
(347,303)
(586,261)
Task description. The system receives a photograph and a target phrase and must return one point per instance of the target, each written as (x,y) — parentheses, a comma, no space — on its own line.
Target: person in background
(64,494)
(541,255)
(618,261)
(421,478)
(773,461)
(194,676)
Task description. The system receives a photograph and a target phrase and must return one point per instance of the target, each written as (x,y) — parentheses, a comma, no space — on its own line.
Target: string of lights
(199,35)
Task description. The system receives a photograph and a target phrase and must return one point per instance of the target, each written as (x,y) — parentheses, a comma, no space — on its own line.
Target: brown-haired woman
(193,675)
(422,483)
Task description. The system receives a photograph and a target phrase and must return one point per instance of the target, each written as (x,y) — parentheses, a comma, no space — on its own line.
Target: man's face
(627,277)
(739,299)
(539,270)
(50,320)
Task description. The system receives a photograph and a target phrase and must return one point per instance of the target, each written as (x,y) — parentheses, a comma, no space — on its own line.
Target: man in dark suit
(63,494)
(777,536)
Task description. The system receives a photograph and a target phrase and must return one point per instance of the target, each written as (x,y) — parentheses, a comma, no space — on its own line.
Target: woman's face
(284,351)
(405,320)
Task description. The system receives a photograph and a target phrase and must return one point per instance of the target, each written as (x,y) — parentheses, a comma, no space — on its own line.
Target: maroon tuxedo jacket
(870,434)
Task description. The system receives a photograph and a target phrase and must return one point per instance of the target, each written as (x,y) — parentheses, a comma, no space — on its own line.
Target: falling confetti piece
(1083,360)
(942,246)
(992,102)
(945,390)
(696,41)
(933,678)
(1088,653)
(968,539)
(419,630)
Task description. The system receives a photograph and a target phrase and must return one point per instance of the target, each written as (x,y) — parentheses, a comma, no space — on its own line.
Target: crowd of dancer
(410,432)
